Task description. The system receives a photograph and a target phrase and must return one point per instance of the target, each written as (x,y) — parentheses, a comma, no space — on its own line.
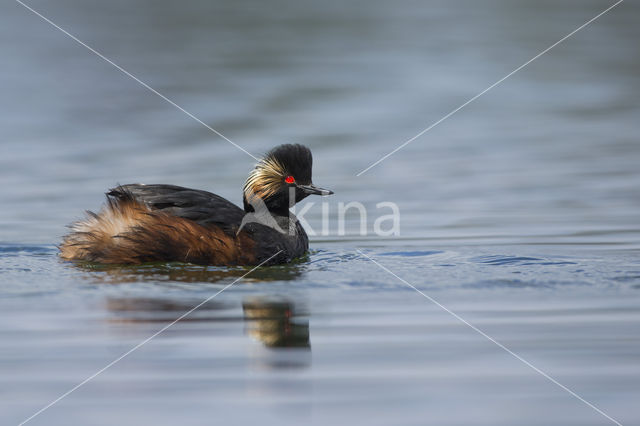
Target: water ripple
(517,260)
(411,253)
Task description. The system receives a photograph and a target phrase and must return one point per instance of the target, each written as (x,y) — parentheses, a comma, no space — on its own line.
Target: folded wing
(200,206)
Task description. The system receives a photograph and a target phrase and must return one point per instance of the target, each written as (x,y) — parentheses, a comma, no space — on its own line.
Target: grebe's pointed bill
(312,189)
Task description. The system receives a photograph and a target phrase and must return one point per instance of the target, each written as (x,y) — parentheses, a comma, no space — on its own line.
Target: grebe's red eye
(289,179)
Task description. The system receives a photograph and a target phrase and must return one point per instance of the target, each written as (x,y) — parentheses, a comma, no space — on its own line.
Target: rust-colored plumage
(128,232)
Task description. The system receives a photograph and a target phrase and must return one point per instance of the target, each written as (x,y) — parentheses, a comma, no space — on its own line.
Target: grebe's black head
(281,179)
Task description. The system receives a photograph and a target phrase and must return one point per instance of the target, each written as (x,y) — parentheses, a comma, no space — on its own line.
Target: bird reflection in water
(187,273)
(273,321)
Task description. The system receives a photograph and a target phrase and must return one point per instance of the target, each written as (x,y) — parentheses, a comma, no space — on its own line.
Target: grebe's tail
(126,231)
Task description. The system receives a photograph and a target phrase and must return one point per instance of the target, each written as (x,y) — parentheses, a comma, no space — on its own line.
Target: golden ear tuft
(265,179)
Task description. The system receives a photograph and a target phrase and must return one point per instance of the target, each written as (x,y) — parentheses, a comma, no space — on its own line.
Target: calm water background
(520,213)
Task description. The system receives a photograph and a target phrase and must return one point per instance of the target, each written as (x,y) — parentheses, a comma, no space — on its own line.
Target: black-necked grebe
(164,223)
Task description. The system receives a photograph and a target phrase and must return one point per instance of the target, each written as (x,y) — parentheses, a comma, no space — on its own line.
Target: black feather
(200,206)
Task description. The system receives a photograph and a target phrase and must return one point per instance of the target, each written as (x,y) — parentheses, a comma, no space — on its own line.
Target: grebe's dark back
(163,223)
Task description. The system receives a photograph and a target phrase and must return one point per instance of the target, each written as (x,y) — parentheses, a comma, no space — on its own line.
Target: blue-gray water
(520,213)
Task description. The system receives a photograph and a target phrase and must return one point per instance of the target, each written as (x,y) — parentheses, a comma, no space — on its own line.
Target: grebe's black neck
(277,204)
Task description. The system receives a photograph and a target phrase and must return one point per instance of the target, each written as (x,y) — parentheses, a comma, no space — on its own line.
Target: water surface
(519,213)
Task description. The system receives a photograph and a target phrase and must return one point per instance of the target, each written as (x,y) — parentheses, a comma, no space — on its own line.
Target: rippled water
(519,213)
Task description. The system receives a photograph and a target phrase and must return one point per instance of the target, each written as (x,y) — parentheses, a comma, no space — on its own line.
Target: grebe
(165,223)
